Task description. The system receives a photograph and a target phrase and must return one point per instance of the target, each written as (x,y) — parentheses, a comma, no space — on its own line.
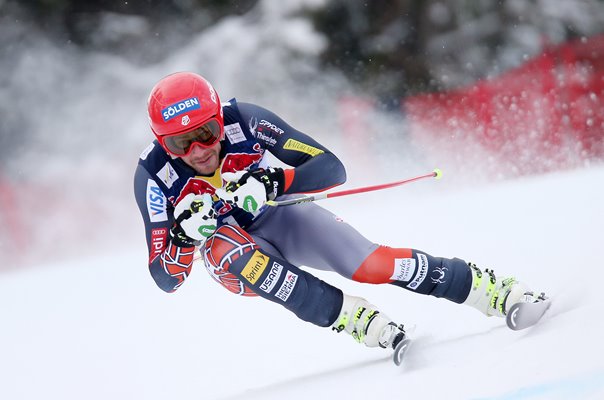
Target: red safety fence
(545,115)
(48,222)
(12,234)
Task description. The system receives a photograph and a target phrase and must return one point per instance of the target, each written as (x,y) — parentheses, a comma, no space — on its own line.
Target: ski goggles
(181,144)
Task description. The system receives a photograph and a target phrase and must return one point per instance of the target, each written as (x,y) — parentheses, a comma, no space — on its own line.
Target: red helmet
(185,109)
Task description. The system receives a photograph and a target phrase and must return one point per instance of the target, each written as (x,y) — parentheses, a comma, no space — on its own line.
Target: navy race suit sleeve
(158,218)
(316,168)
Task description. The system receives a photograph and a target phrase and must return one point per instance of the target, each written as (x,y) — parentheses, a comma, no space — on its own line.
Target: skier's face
(204,160)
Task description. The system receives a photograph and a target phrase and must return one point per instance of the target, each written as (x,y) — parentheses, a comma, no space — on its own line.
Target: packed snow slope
(98,328)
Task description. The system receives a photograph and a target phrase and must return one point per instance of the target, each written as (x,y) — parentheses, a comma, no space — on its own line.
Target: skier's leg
(307,234)
(453,279)
(231,250)
(417,271)
(232,253)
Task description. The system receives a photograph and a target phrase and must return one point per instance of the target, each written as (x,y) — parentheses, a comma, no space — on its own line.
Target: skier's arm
(169,264)
(315,167)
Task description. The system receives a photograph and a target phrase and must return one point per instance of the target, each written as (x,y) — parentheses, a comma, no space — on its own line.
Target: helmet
(180,104)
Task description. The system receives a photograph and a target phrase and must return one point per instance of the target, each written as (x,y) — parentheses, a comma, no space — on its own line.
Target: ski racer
(202,187)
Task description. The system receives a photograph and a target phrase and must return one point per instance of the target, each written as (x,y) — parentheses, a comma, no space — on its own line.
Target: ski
(521,315)
(399,351)
(524,315)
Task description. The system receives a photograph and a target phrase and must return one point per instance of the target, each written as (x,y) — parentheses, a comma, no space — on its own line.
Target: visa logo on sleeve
(178,108)
(156,202)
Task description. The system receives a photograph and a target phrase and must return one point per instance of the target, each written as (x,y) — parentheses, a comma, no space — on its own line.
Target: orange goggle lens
(180,144)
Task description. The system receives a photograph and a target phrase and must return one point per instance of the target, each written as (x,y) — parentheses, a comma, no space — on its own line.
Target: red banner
(546,115)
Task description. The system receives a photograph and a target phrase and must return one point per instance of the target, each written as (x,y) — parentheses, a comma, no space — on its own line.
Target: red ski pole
(320,196)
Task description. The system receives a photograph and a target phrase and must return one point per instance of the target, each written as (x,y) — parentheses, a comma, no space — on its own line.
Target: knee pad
(223,248)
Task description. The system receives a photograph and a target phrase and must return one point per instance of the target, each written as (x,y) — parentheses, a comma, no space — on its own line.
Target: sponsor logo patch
(255,267)
(272,127)
(287,287)
(421,273)
(270,141)
(183,106)
(234,133)
(273,276)
(156,202)
(167,175)
(213,94)
(404,268)
(439,274)
(158,242)
(295,145)
(148,150)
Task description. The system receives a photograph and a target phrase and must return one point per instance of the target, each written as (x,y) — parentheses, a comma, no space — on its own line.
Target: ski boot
(367,325)
(496,296)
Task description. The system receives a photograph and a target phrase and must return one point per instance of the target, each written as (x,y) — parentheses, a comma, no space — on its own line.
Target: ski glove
(195,220)
(251,189)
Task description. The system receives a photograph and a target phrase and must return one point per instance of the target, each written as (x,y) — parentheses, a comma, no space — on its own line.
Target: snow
(98,328)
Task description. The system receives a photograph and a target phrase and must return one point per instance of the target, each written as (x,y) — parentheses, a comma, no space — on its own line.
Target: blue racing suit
(260,253)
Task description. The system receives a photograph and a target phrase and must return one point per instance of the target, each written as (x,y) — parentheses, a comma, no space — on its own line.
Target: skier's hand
(250,190)
(195,220)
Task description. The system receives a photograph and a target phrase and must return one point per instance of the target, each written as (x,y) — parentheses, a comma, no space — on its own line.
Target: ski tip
(400,350)
(437,173)
(524,315)
(511,318)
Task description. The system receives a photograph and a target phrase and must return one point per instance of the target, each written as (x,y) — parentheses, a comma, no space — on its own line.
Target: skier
(203,184)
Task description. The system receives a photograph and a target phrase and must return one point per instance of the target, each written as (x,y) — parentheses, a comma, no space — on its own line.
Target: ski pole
(437,173)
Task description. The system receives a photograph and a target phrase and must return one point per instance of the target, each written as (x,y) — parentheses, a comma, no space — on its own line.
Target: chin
(206,168)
